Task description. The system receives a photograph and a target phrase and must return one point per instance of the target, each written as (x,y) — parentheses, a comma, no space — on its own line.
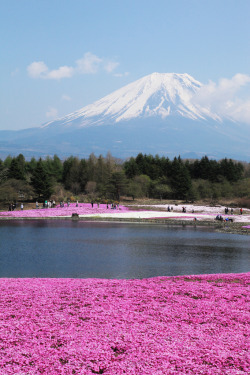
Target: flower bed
(82,209)
(163,325)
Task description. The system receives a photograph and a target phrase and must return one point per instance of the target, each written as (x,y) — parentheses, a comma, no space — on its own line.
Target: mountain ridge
(157,94)
(155,114)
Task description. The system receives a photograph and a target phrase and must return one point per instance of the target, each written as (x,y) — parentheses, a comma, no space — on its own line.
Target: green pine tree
(181,180)
(41,182)
(16,170)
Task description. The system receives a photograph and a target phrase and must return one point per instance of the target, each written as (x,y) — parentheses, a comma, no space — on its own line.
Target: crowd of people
(46,204)
(52,204)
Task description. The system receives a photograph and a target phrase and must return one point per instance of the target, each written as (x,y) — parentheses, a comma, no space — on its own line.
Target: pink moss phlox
(82,209)
(163,325)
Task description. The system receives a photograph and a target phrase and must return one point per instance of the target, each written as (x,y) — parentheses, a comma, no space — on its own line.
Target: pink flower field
(82,209)
(163,325)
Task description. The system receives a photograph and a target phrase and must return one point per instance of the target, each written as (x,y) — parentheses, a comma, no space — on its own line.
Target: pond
(78,249)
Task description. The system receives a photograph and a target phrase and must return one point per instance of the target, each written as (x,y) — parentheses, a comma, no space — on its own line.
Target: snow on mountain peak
(157,94)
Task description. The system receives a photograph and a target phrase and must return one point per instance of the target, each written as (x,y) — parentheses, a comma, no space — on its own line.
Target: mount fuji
(156,114)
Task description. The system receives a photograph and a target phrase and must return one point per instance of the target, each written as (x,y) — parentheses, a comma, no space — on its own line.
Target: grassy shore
(195,215)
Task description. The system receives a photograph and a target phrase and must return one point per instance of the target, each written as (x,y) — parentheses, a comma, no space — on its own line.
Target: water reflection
(64,248)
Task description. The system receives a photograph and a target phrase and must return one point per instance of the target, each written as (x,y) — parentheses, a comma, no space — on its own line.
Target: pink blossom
(82,209)
(162,325)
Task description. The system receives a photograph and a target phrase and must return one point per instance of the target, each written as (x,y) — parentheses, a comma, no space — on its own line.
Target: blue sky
(60,55)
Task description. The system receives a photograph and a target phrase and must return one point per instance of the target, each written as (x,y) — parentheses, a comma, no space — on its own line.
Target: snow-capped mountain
(156,95)
(157,114)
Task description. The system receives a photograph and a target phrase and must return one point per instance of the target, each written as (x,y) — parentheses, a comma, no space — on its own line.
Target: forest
(108,179)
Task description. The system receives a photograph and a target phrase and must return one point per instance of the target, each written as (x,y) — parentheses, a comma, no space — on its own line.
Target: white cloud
(66,97)
(227,98)
(52,113)
(88,64)
(110,66)
(239,110)
(121,74)
(62,72)
(37,69)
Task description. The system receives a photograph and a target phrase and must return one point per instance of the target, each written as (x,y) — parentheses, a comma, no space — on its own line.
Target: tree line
(108,178)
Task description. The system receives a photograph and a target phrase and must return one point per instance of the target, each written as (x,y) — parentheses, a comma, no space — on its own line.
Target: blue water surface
(78,249)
